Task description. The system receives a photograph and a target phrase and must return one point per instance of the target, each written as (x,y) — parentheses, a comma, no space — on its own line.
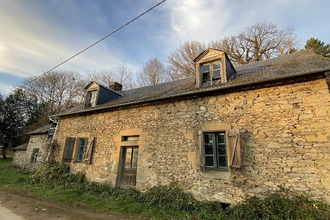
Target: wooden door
(129,166)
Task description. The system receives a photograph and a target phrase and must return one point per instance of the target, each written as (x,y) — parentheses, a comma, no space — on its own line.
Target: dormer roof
(95,86)
(97,94)
(209,54)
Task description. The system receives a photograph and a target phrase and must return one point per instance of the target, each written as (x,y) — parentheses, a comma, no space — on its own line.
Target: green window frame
(215,150)
(81,149)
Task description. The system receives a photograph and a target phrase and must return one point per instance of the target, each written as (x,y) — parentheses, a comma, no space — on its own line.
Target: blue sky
(36,35)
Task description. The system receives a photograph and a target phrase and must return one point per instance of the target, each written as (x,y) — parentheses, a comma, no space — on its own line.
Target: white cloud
(30,44)
(200,20)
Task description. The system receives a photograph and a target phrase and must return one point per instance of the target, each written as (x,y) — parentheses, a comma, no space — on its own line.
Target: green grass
(55,183)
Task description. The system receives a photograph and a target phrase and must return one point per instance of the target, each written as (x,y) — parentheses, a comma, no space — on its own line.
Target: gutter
(200,91)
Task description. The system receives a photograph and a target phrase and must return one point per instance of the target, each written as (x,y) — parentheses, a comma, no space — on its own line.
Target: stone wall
(37,141)
(23,158)
(19,158)
(284,138)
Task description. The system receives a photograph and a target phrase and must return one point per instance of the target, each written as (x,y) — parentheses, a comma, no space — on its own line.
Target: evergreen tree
(318,47)
(17,112)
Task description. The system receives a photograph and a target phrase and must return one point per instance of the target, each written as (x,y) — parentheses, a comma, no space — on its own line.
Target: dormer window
(212,68)
(91,99)
(97,94)
(211,73)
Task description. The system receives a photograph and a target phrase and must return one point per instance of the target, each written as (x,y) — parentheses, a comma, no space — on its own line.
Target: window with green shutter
(81,149)
(215,150)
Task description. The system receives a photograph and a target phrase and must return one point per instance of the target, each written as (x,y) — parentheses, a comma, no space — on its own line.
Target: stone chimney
(115,86)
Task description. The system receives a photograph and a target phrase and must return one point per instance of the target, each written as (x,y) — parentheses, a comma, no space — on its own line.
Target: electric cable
(80,52)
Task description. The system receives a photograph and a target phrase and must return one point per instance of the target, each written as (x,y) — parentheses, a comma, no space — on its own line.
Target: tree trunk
(4,153)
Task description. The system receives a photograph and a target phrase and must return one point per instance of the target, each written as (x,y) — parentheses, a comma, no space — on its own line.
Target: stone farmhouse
(227,134)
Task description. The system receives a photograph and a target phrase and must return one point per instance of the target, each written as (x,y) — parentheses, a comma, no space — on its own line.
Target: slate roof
(300,63)
(42,130)
(21,147)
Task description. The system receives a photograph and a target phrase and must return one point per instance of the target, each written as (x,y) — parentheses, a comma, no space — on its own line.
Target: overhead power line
(103,38)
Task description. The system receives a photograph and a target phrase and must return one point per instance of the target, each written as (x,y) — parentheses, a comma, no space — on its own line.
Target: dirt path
(34,209)
(7,214)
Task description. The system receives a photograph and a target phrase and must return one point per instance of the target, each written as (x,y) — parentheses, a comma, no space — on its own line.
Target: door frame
(122,160)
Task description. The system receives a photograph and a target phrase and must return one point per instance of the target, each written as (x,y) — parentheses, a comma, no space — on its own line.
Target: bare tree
(121,74)
(59,90)
(153,73)
(181,60)
(258,42)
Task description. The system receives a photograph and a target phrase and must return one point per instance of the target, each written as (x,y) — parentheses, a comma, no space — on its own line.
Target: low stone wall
(19,158)
(284,137)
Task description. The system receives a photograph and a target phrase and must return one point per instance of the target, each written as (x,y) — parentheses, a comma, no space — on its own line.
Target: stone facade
(284,136)
(19,158)
(24,158)
(40,142)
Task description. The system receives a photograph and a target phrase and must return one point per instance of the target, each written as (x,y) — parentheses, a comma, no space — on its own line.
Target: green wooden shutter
(81,149)
(234,147)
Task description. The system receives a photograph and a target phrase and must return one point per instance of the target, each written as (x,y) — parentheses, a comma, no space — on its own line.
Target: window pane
(209,161)
(216,74)
(216,66)
(205,68)
(222,161)
(128,158)
(221,138)
(93,99)
(208,149)
(206,77)
(135,157)
(222,150)
(80,157)
(207,138)
(81,149)
(35,153)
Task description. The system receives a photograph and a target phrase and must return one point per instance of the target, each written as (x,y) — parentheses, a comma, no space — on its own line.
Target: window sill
(216,174)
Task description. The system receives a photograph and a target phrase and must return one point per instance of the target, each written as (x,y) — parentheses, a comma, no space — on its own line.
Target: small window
(68,149)
(81,149)
(130,138)
(91,99)
(215,150)
(131,158)
(211,73)
(35,155)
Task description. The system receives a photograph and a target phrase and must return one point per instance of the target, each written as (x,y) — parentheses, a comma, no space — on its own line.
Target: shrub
(55,174)
(171,200)
(169,197)
(280,206)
